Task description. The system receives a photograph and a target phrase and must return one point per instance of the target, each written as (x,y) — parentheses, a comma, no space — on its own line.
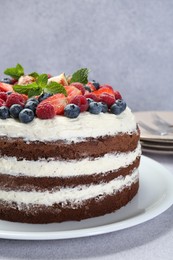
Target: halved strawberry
(58,101)
(91,86)
(72,92)
(5,87)
(104,90)
(106,86)
(79,85)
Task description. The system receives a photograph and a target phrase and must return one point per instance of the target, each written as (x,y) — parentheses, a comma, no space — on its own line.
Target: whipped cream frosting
(53,168)
(62,128)
(73,195)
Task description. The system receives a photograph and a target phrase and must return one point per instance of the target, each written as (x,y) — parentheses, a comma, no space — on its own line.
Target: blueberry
(15,110)
(4,112)
(7,81)
(87,88)
(118,107)
(104,107)
(72,111)
(33,99)
(26,115)
(96,84)
(44,96)
(95,108)
(9,92)
(31,105)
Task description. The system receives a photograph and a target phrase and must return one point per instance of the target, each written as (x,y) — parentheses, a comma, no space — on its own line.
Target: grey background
(127,43)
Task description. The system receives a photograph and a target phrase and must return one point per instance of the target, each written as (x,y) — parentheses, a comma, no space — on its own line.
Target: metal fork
(161,122)
(152,130)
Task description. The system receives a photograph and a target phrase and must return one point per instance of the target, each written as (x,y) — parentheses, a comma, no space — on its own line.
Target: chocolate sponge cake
(71,165)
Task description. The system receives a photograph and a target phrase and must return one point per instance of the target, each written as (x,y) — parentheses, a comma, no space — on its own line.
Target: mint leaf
(80,75)
(34,75)
(54,87)
(31,89)
(15,72)
(42,80)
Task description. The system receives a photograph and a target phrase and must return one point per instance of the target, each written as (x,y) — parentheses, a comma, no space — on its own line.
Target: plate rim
(92,231)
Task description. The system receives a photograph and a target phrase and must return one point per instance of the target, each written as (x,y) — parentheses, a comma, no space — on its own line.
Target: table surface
(150,240)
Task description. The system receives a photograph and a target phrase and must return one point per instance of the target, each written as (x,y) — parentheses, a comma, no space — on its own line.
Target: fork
(161,122)
(152,130)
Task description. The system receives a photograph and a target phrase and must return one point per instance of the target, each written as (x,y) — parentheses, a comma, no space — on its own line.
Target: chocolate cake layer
(93,147)
(58,213)
(23,183)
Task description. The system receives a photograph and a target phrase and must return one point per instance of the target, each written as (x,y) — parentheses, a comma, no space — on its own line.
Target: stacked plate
(156,131)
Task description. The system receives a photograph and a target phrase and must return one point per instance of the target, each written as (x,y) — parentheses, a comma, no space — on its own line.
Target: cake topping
(45,96)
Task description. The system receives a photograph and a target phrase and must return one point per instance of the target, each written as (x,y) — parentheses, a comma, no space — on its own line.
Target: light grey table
(150,240)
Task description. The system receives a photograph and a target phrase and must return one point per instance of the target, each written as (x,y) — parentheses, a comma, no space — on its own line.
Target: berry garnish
(107,98)
(45,111)
(2,102)
(91,86)
(118,107)
(72,92)
(5,87)
(31,105)
(106,86)
(7,81)
(104,89)
(87,89)
(104,107)
(26,115)
(58,101)
(90,100)
(95,84)
(71,111)
(81,102)
(15,98)
(15,110)
(80,86)
(3,95)
(95,108)
(44,96)
(33,99)
(92,96)
(117,95)
(4,112)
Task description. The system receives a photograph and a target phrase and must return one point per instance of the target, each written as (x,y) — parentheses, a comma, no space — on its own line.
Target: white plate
(154,197)
(148,118)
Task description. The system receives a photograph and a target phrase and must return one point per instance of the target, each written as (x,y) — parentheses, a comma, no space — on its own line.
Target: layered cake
(69,151)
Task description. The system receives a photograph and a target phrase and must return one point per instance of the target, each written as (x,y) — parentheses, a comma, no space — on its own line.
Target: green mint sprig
(15,72)
(80,75)
(39,86)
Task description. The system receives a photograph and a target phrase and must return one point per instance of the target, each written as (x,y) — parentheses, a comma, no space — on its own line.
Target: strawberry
(106,86)
(45,111)
(72,92)
(5,87)
(3,95)
(117,95)
(2,102)
(107,98)
(15,98)
(79,85)
(81,102)
(104,90)
(58,101)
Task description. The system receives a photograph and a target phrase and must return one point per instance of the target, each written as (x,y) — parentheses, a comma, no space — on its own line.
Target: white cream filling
(63,128)
(53,168)
(73,195)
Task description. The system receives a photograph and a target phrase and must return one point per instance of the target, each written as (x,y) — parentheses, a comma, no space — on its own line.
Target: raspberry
(15,98)
(92,96)
(58,101)
(79,85)
(2,102)
(3,95)
(106,86)
(45,111)
(117,95)
(81,102)
(107,98)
